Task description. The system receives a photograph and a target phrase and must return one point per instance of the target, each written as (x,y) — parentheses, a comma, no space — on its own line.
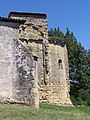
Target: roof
(21,14)
(11,20)
(57,40)
(27,14)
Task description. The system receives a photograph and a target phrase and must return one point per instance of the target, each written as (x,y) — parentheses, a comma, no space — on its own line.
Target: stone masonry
(34,67)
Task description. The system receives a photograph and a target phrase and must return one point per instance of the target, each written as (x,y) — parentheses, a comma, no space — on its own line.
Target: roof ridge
(27,13)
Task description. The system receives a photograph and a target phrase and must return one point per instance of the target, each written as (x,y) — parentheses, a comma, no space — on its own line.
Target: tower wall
(56,91)
(32,33)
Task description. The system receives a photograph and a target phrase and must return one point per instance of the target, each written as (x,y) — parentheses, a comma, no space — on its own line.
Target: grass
(46,112)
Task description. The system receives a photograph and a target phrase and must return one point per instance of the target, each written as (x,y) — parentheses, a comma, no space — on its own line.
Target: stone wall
(56,91)
(35,26)
(25,79)
(8,31)
(32,33)
(18,73)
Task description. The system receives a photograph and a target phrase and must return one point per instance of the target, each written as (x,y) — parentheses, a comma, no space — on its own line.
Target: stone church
(33,66)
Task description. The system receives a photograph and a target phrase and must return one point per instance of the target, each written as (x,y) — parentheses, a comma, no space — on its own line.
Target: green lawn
(46,112)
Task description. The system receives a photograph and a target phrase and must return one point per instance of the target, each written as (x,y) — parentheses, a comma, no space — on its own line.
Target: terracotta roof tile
(57,40)
(11,20)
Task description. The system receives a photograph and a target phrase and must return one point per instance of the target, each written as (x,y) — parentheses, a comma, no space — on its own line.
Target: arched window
(60,66)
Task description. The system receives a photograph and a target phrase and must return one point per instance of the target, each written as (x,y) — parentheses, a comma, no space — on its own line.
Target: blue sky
(72,14)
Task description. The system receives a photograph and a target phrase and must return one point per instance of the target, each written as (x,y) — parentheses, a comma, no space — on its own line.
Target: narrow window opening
(35,58)
(60,66)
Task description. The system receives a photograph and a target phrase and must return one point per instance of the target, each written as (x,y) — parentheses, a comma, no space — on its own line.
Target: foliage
(79,67)
(56,32)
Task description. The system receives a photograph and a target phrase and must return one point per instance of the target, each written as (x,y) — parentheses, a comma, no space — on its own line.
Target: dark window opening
(60,66)
(35,58)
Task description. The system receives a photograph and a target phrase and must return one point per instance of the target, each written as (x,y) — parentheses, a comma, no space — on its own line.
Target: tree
(56,33)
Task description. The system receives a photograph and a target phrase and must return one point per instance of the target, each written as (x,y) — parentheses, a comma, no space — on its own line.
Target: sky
(71,14)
